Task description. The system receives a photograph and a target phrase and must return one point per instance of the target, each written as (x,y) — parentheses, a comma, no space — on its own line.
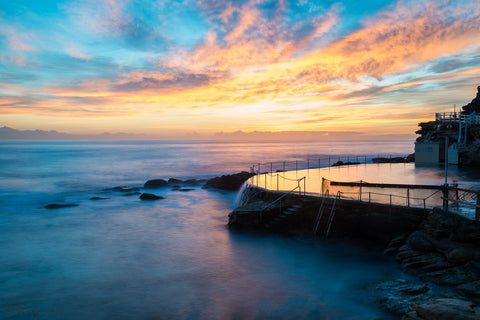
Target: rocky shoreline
(444,254)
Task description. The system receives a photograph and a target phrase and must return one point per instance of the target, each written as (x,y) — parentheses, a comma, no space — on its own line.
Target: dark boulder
(228,182)
(448,309)
(122,189)
(98,198)
(155,183)
(149,196)
(53,206)
(194,182)
(130,194)
(389,160)
(341,163)
(419,240)
(410,157)
(174,181)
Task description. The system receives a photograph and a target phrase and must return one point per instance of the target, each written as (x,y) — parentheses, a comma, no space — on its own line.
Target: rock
(398,241)
(229,182)
(341,163)
(149,196)
(185,189)
(98,198)
(390,251)
(194,182)
(122,189)
(174,181)
(447,309)
(389,160)
(474,105)
(471,288)
(410,157)
(130,194)
(398,295)
(155,183)
(459,255)
(420,241)
(53,206)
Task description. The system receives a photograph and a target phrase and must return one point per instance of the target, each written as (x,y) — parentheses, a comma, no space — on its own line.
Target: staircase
(286,214)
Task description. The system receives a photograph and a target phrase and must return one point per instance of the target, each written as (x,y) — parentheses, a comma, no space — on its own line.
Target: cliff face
(438,131)
(474,105)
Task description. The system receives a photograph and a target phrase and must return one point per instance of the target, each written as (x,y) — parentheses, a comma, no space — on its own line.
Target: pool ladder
(324,207)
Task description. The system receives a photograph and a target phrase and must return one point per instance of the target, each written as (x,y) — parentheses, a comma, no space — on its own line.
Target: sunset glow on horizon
(172,68)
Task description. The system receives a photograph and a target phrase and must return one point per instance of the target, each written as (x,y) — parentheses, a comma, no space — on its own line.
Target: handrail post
(360,192)
(369,197)
(277,182)
(284,166)
(308,164)
(271,167)
(408,197)
(304,186)
(390,200)
(319,163)
(296,165)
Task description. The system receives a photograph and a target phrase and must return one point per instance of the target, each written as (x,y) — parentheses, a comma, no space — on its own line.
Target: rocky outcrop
(122,189)
(474,105)
(389,160)
(340,163)
(155,184)
(54,206)
(444,309)
(149,196)
(444,251)
(229,182)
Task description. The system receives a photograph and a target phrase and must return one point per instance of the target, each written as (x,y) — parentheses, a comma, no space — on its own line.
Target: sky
(172,69)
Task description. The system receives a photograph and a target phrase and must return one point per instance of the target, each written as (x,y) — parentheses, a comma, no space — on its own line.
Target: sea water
(124,258)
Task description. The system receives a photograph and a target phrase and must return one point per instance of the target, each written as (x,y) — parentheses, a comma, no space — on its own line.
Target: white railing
(458,117)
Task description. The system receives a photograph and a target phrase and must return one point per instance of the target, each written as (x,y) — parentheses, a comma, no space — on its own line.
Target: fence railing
(457,117)
(322,162)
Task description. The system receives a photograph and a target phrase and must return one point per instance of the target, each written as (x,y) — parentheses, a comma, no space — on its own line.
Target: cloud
(154,81)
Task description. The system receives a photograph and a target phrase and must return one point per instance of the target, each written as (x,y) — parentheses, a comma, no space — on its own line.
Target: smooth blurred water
(123,258)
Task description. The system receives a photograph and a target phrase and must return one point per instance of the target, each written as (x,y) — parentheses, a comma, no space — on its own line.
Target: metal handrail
(276,200)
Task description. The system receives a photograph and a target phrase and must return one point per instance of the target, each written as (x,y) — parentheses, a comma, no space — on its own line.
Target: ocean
(124,258)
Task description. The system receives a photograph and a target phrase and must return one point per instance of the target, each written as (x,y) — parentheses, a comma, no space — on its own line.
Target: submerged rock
(149,196)
(229,182)
(130,194)
(155,183)
(122,189)
(60,205)
(98,198)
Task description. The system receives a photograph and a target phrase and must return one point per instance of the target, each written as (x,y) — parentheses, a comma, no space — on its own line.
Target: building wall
(427,152)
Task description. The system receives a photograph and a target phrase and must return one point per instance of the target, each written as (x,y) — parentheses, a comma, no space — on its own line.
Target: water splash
(244,194)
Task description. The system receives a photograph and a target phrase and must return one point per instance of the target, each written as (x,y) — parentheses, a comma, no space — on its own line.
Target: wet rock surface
(150,196)
(53,206)
(155,183)
(229,182)
(444,252)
